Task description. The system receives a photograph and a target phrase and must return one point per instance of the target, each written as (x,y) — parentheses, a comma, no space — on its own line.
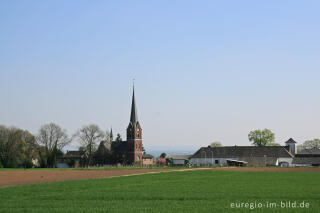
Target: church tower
(134,135)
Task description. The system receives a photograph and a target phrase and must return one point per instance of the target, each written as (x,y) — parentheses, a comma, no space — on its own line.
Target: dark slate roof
(179,157)
(309,152)
(242,151)
(119,146)
(306,160)
(147,156)
(291,141)
(74,154)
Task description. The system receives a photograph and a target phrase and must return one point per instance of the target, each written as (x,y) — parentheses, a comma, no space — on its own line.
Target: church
(130,151)
(112,152)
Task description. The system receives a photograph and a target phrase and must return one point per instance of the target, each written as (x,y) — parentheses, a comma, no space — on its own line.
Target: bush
(138,163)
(27,164)
(1,165)
(12,164)
(71,162)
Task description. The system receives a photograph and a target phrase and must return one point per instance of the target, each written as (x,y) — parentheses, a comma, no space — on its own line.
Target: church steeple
(134,128)
(134,135)
(111,135)
(134,115)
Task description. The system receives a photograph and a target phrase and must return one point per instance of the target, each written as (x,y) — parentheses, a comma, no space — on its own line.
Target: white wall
(178,161)
(210,161)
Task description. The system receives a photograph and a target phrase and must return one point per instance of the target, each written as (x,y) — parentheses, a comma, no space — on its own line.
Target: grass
(192,191)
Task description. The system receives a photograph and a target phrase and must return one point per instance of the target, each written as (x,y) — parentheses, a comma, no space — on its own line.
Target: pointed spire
(134,115)
(111,135)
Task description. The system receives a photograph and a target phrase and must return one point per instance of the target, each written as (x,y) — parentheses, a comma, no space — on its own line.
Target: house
(179,159)
(147,160)
(72,159)
(161,161)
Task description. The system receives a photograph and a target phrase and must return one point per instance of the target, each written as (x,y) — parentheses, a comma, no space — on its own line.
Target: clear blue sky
(204,70)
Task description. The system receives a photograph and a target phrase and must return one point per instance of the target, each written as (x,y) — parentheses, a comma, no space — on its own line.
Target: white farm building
(256,155)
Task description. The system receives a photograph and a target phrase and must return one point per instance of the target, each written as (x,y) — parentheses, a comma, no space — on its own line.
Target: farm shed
(178,159)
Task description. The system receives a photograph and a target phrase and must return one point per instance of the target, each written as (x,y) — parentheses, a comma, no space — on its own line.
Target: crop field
(188,191)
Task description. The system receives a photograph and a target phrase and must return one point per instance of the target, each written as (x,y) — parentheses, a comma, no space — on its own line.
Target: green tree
(137,163)
(30,149)
(216,144)
(11,146)
(273,144)
(163,155)
(42,160)
(312,144)
(261,137)
(17,147)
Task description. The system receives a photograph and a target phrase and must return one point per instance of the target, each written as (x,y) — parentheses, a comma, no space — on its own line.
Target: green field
(192,191)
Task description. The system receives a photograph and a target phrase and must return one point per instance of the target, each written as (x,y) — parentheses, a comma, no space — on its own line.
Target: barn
(251,155)
(284,156)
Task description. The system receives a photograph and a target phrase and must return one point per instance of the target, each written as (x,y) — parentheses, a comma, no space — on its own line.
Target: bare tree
(53,138)
(89,136)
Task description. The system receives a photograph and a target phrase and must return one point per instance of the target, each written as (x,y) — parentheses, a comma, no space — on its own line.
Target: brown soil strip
(13,178)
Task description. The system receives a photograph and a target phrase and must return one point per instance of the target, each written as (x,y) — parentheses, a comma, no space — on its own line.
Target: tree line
(19,148)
